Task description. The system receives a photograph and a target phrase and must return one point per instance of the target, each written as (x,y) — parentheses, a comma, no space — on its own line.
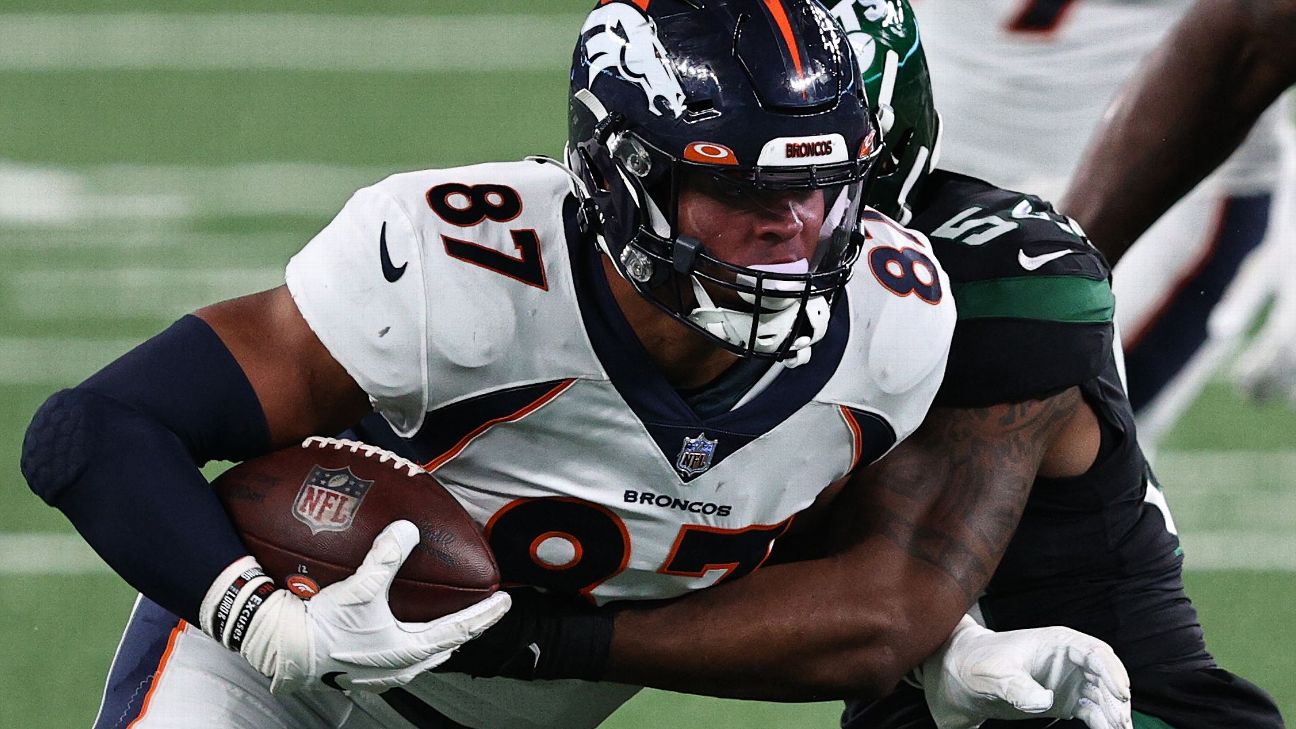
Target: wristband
(232,600)
(540,637)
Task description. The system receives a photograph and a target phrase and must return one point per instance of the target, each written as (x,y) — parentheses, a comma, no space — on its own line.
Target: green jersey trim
(1067,299)
(1144,721)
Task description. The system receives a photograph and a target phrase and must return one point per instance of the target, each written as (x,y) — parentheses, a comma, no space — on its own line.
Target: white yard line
(290,42)
(125,293)
(36,197)
(128,237)
(55,361)
(1257,530)
(39,553)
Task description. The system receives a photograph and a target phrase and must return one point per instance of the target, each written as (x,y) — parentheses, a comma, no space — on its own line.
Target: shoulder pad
(902,317)
(1011,255)
(431,271)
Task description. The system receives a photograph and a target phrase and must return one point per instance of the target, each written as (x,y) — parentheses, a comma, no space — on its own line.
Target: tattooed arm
(913,539)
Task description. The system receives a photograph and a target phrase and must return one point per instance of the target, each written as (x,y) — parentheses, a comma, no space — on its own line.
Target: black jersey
(1035,318)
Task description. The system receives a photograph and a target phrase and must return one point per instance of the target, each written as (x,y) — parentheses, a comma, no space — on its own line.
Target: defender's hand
(346,637)
(1022,674)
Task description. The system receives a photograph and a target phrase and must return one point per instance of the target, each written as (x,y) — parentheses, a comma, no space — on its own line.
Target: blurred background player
(1188,107)
(1096,549)
(1023,84)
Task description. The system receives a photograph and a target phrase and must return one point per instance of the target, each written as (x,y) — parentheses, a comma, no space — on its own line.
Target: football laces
(369,451)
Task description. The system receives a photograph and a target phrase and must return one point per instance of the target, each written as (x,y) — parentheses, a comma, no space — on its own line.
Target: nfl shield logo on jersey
(695,456)
(329,498)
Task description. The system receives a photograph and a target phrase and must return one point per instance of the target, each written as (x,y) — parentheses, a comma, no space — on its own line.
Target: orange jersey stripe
(464,441)
(157,675)
(856,436)
(785,26)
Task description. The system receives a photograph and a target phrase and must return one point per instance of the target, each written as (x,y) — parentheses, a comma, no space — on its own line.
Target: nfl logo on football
(695,456)
(329,498)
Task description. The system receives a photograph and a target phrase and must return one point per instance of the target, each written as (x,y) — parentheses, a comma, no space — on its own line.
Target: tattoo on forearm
(956,503)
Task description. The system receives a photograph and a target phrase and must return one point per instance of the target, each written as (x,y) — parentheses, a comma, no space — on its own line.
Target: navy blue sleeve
(119,455)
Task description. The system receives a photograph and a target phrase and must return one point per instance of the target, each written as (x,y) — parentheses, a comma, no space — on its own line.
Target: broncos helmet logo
(618,37)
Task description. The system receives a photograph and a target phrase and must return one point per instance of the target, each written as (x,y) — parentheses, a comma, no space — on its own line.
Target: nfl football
(310,513)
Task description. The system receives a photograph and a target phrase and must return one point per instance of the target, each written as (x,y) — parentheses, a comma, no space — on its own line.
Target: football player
(1024,83)
(635,369)
(1188,108)
(1096,548)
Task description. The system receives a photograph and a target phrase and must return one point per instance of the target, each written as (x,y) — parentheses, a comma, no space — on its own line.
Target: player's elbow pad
(57,446)
(183,383)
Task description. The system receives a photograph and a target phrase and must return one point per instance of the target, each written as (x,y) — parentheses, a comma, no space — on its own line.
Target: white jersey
(1021,85)
(467,306)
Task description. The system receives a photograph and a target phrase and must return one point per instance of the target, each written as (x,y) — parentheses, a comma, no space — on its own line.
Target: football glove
(1056,672)
(345,637)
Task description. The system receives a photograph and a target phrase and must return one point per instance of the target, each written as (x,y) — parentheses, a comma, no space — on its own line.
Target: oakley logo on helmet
(798,151)
(710,153)
(619,38)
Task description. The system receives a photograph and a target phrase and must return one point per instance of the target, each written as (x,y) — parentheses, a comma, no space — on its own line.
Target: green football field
(152,161)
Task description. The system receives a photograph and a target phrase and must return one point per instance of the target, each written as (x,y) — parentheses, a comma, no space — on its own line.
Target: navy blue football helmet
(760,94)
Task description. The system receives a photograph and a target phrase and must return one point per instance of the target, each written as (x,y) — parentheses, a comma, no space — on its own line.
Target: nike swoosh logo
(391,272)
(1030,263)
(330,679)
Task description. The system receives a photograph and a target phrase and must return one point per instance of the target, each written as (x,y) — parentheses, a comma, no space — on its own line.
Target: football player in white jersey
(1023,84)
(636,370)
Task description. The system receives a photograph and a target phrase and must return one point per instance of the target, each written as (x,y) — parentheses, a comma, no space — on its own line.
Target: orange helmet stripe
(785,26)
(643,4)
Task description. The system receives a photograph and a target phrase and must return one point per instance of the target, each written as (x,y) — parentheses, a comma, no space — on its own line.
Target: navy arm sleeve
(119,455)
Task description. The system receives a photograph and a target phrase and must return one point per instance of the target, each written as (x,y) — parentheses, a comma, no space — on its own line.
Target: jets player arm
(914,538)
(1189,107)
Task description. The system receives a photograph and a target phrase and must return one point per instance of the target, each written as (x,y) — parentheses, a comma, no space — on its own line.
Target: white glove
(345,637)
(1024,674)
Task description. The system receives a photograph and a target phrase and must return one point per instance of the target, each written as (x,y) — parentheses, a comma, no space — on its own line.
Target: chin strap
(772,326)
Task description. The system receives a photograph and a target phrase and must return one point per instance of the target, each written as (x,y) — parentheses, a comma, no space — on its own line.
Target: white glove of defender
(346,637)
(1025,674)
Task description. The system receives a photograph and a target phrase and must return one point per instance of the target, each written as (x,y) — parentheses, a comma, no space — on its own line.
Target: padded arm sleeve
(119,456)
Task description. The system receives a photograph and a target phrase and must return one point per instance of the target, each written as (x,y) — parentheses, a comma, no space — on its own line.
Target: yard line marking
(37,196)
(127,292)
(1238,549)
(56,362)
(40,553)
(288,42)
(108,238)
(1231,489)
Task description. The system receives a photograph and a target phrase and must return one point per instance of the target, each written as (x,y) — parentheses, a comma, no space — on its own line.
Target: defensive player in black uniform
(1097,551)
